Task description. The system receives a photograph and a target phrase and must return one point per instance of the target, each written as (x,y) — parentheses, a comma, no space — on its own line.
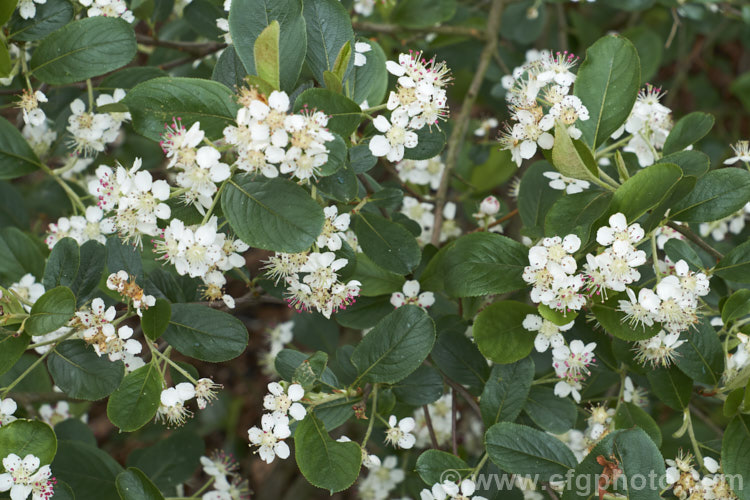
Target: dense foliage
(513,233)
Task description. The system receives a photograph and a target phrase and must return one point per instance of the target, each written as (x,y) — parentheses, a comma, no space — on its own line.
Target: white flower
(635,311)
(90,131)
(548,332)
(364,7)
(179,144)
(29,104)
(532,131)
(282,403)
(28,290)
(172,409)
(54,414)
(270,438)
(219,466)
(741,153)
(618,229)
(571,366)
(398,434)
(27,9)
(360,48)
(569,110)
(97,322)
(659,350)
(396,136)
(450,490)
(199,177)
(411,295)
(485,126)
(205,392)
(489,206)
(567,184)
(25,477)
(334,229)
(422,172)
(557,68)
(117,96)
(7,408)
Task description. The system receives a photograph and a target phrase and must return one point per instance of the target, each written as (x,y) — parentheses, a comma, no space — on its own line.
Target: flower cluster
(282,403)
(422,172)
(381,479)
(686,482)
(268,139)
(733,223)
(649,124)
(538,93)
(673,303)
(24,477)
(172,409)
(568,184)
(551,271)
(418,101)
(312,281)
(126,286)
(93,226)
(92,131)
(571,367)
(202,251)
(441,418)
(421,212)
(276,338)
(450,490)
(199,169)
(108,8)
(227,484)
(615,267)
(548,333)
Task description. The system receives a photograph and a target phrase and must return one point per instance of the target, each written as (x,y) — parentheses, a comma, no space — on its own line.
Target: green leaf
(701,357)
(639,459)
(89,471)
(678,250)
(572,158)
(613,321)
(12,347)
(135,402)
(51,311)
(229,69)
(329,29)
(387,243)
(310,371)
(735,454)
(206,334)
(325,463)
(576,213)
(424,386)
(607,83)
(158,101)
(86,282)
(423,13)
(396,346)
(694,163)
(376,280)
(155,319)
(37,379)
(717,194)
(506,391)
(6,10)
(736,306)
(522,450)
(73,429)
(12,207)
(63,491)
(170,461)
(431,144)
(536,198)
(549,411)
(63,264)
(344,115)
(645,190)
(671,386)
(83,49)
(124,257)
(735,265)
(650,49)
(274,214)
(369,82)
(133,484)
(81,374)
(248,19)
(28,437)
(478,264)
(499,333)
(16,156)
(457,356)
(266,53)
(629,415)
(5,64)
(288,361)
(432,466)
(687,131)
(49,17)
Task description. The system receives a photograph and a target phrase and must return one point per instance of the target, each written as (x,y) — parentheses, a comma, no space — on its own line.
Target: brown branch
(462,122)
(197,48)
(394,29)
(687,233)
(430,428)
(502,219)
(466,395)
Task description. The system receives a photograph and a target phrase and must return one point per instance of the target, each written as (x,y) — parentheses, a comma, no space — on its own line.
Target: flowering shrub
(512,233)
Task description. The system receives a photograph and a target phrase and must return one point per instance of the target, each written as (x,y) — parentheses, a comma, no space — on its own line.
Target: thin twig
(454,432)
(197,48)
(430,428)
(462,122)
(394,29)
(502,219)
(687,233)
(466,395)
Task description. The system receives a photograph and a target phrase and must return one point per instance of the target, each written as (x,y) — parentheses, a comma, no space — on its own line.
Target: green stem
(372,415)
(90,91)
(370,111)
(612,146)
(214,202)
(72,196)
(479,466)
(691,434)
(24,374)
(204,487)
(655,258)
(173,364)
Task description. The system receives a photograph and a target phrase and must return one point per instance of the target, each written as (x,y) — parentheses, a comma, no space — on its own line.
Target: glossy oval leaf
(329,29)
(133,484)
(51,311)
(499,333)
(81,374)
(206,334)
(387,243)
(687,131)
(16,156)
(135,402)
(24,437)
(84,49)
(717,194)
